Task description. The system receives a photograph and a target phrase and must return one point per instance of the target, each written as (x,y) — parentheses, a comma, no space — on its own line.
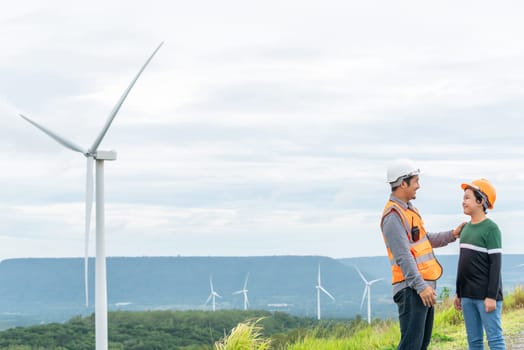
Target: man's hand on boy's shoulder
(458,230)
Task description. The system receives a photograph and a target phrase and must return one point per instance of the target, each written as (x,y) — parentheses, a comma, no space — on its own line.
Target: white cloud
(258,128)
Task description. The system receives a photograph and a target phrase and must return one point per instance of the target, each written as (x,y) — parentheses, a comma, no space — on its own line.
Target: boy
(479,283)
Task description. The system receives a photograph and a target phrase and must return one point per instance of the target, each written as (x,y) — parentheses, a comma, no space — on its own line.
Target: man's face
(411,189)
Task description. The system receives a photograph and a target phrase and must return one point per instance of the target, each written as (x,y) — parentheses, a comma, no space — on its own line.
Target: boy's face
(470,203)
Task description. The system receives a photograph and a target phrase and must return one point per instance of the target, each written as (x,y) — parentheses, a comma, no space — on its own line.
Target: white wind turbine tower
(320,288)
(244,292)
(212,295)
(367,290)
(91,154)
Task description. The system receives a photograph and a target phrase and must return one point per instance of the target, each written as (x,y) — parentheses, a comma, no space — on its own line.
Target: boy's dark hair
(479,198)
(407,180)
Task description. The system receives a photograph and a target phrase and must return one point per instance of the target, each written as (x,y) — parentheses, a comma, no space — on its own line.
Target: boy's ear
(480,202)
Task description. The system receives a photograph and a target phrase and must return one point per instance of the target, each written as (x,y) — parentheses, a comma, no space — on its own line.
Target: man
(414,266)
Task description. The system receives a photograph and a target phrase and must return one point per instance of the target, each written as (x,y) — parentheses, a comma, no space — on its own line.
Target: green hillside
(147,330)
(199,330)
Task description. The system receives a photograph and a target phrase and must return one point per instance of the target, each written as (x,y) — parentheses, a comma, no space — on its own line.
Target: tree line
(149,330)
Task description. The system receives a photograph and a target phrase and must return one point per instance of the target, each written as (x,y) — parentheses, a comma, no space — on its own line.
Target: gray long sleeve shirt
(398,242)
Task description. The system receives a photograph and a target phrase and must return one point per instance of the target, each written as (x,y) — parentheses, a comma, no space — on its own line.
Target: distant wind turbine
(244,292)
(320,288)
(92,153)
(212,295)
(367,291)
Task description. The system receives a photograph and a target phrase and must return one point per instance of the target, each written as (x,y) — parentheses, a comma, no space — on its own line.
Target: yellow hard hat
(485,188)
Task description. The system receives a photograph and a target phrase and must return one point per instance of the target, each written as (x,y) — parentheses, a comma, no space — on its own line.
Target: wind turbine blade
(238,292)
(208,299)
(363,297)
(211,284)
(218,295)
(378,279)
(64,142)
(318,274)
(89,206)
(116,108)
(327,293)
(245,282)
(361,275)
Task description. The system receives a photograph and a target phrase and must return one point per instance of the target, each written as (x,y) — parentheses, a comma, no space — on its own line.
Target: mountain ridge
(35,290)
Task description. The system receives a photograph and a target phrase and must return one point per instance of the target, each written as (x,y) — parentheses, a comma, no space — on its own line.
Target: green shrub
(515,300)
(448,316)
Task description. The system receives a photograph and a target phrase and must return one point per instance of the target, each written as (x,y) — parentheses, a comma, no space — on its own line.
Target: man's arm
(441,239)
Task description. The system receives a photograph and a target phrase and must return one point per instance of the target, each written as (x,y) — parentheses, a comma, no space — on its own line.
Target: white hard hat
(400,169)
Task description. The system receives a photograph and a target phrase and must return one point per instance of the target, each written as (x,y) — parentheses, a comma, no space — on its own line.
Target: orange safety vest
(422,251)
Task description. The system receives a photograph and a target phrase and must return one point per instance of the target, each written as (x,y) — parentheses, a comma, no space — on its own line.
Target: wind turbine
(213,294)
(92,153)
(244,292)
(367,290)
(320,288)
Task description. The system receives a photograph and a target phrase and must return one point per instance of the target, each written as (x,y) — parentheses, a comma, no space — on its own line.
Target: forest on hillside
(205,330)
(148,330)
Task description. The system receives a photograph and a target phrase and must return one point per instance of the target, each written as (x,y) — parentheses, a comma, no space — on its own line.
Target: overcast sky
(260,127)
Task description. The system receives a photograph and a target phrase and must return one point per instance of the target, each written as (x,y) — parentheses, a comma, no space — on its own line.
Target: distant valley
(42,290)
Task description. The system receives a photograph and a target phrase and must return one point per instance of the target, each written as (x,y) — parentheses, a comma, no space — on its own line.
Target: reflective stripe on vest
(421,250)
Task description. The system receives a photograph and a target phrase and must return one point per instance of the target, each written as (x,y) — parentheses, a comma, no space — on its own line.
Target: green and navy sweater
(480,261)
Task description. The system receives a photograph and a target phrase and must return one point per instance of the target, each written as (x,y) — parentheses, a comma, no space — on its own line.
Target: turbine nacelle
(105,155)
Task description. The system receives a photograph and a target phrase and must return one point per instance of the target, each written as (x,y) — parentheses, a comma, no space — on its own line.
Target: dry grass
(245,336)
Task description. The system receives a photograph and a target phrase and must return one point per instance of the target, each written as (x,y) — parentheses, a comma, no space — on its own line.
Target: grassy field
(252,329)
(448,332)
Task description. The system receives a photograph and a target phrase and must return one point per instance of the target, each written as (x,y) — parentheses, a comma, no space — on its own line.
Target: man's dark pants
(416,320)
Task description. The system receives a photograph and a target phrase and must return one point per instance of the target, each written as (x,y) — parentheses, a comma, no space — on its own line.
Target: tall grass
(515,300)
(381,335)
(245,336)
(448,331)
